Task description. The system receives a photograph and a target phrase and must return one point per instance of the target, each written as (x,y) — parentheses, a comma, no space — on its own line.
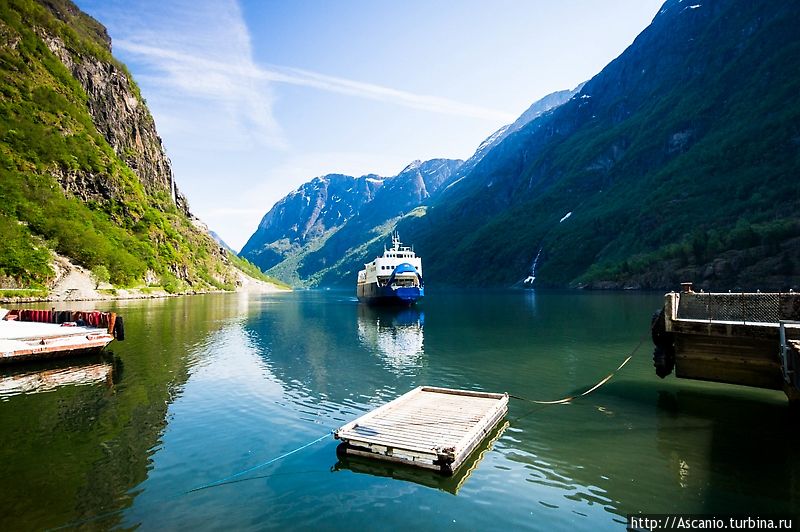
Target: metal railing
(739,307)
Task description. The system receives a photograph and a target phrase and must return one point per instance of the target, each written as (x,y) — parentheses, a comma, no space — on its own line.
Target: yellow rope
(589,390)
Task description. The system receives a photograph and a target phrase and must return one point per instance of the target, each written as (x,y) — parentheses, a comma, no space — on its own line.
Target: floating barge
(424,477)
(431,428)
(749,339)
(38,334)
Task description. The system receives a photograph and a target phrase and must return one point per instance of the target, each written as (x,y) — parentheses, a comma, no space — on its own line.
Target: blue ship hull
(372,294)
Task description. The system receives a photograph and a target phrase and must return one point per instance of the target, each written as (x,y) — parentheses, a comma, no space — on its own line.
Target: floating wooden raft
(433,428)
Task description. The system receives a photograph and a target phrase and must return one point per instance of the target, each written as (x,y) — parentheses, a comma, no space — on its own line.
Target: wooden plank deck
(428,427)
(425,477)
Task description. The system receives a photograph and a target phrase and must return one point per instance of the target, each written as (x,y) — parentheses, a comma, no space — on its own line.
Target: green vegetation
(63,187)
(253,271)
(171,284)
(21,292)
(698,162)
(23,257)
(100,275)
(702,247)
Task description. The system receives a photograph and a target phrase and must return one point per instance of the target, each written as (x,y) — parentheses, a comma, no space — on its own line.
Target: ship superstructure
(392,278)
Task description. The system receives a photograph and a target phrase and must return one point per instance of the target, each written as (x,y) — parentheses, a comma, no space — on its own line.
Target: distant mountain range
(311,229)
(677,162)
(328,223)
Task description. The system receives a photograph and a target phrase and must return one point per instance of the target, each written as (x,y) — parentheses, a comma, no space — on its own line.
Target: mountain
(222,243)
(336,250)
(83,172)
(312,227)
(677,162)
(537,109)
(308,214)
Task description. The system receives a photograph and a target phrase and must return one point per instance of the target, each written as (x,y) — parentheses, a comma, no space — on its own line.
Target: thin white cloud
(221,79)
(223,106)
(377,92)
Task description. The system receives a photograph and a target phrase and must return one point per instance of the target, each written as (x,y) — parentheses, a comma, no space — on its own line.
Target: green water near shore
(207,386)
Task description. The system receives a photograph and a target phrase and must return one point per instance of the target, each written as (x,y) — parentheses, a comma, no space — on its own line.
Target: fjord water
(208,386)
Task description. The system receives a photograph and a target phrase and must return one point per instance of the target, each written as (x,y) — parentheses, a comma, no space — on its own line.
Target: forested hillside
(82,169)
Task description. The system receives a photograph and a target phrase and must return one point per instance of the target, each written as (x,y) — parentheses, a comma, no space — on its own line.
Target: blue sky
(254,98)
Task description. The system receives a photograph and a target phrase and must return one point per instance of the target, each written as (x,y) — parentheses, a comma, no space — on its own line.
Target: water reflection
(395,335)
(322,352)
(81,449)
(215,385)
(753,446)
(48,376)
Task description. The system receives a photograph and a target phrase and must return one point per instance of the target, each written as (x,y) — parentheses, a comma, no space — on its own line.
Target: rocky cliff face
(118,113)
(336,260)
(83,172)
(310,212)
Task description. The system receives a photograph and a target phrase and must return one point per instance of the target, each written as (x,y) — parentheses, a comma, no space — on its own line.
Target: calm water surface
(208,386)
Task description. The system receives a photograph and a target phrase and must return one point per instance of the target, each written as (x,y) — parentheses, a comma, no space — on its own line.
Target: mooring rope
(228,479)
(594,387)
(259,466)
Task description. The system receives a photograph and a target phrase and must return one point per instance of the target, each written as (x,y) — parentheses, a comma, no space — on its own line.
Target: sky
(254,98)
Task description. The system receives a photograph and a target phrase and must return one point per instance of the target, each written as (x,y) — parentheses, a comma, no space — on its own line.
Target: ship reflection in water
(395,335)
(48,376)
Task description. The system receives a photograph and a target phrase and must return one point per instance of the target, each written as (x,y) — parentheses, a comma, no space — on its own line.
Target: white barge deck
(22,341)
(428,427)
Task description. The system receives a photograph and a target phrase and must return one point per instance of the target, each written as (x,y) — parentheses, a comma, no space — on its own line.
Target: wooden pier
(749,339)
(431,428)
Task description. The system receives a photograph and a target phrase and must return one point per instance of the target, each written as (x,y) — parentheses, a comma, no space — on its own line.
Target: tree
(100,275)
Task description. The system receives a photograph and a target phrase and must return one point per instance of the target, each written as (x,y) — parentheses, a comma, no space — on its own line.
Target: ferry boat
(394,278)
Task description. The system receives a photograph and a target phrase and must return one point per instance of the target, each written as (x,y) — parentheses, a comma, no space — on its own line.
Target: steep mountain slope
(338,260)
(82,168)
(312,227)
(537,109)
(334,258)
(308,214)
(678,161)
(343,253)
